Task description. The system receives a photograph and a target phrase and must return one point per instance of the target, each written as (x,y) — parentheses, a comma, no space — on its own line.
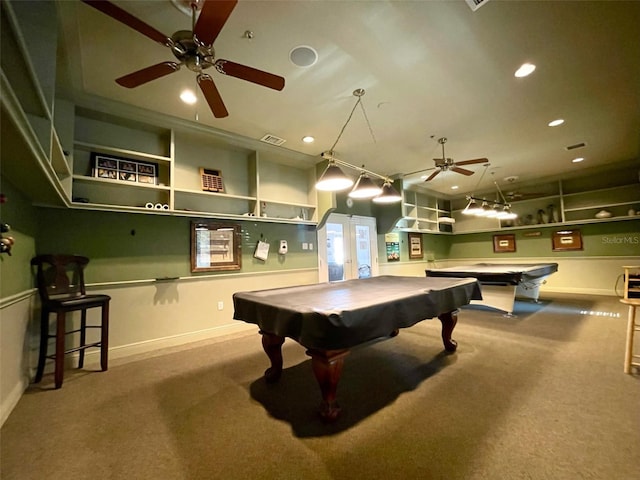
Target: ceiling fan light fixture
(333,179)
(365,188)
(388,195)
(525,70)
(188,97)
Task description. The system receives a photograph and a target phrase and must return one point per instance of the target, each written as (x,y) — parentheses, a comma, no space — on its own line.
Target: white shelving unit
(422,213)
(263,185)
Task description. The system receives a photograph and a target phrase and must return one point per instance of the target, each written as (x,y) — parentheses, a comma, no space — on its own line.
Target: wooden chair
(632,299)
(60,281)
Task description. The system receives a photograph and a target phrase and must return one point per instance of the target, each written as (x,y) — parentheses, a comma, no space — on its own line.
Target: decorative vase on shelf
(631,212)
(603,214)
(552,214)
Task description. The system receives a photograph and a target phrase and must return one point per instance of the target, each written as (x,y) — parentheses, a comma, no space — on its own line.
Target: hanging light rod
(333,179)
(328,155)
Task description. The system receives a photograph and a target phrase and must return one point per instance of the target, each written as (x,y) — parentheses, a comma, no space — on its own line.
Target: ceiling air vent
(476,4)
(273,140)
(577,145)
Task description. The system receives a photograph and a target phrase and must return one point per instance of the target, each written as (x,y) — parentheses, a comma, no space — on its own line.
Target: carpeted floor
(540,396)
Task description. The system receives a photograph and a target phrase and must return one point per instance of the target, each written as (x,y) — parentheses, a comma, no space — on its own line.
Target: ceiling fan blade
(212,96)
(418,171)
(470,162)
(213,16)
(145,75)
(432,176)
(463,171)
(249,74)
(129,20)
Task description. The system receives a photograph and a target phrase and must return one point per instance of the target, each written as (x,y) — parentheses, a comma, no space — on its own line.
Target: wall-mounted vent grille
(273,140)
(476,4)
(577,145)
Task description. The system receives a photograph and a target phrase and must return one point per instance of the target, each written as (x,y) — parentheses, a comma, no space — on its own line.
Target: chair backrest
(60,275)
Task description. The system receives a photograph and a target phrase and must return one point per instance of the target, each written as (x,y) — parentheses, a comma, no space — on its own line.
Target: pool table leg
(272,345)
(327,367)
(449,321)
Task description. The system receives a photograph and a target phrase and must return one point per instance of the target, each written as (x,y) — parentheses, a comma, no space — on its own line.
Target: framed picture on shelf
(566,240)
(504,243)
(124,170)
(415,245)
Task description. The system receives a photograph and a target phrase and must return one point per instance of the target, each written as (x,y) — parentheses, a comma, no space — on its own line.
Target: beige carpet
(540,396)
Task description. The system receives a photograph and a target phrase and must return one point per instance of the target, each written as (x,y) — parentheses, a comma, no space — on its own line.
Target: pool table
(329,319)
(502,282)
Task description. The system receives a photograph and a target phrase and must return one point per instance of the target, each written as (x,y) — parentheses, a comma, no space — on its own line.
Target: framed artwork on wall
(415,245)
(566,240)
(504,243)
(215,246)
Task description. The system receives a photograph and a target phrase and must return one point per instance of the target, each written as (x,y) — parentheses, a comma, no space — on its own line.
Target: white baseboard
(10,401)
(121,353)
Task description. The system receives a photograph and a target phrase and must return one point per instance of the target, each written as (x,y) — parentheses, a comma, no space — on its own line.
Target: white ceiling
(430,69)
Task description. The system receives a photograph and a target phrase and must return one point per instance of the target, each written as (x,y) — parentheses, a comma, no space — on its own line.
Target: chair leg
(83,337)
(44,342)
(628,354)
(104,338)
(60,337)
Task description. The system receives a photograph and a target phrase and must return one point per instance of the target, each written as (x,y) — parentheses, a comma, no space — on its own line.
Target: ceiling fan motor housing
(196,57)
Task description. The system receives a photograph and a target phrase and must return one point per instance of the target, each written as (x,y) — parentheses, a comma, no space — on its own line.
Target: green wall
(15,269)
(599,239)
(434,247)
(124,246)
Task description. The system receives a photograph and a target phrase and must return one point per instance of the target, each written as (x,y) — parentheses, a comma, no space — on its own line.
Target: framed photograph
(106,173)
(124,170)
(566,240)
(504,243)
(127,176)
(215,246)
(415,245)
(127,166)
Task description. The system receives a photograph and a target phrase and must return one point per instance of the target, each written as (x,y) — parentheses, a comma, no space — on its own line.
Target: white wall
(144,316)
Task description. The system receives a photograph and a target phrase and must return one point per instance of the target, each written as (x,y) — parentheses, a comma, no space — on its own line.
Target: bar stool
(632,299)
(60,280)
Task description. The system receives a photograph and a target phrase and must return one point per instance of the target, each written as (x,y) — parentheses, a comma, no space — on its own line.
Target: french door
(347,248)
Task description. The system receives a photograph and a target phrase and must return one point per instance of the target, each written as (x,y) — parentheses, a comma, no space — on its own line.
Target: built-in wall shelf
(575,201)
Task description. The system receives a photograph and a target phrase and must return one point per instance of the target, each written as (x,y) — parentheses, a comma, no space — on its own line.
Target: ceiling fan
(443,164)
(192,48)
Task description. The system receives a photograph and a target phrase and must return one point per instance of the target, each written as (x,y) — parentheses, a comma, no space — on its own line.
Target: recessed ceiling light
(525,69)
(308,139)
(187,96)
(577,160)
(557,122)
(454,187)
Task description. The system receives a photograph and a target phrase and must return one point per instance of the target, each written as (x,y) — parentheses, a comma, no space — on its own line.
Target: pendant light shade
(365,188)
(333,179)
(472,208)
(388,195)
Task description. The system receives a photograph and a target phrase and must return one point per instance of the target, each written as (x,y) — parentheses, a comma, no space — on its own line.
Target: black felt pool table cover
(340,315)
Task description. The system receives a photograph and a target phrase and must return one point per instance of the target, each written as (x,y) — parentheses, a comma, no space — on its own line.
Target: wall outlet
(220,305)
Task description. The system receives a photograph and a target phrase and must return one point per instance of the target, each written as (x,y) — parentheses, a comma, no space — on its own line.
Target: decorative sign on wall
(504,243)
(566,240)
(115,168)
(211,180)
(392,241)
(415,245)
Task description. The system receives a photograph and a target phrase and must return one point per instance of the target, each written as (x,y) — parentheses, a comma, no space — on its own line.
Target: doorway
(347,248)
